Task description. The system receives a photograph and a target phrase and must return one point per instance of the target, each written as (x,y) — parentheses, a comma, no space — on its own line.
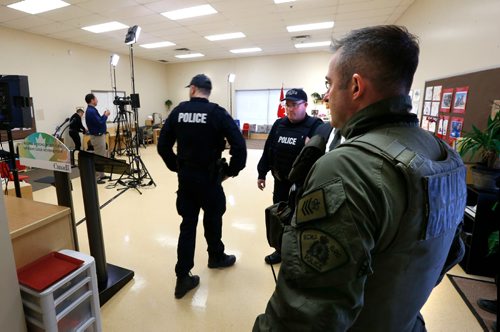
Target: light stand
(230,79)
(138,170)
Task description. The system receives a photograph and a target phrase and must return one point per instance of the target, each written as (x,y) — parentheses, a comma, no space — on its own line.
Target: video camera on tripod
(132,100)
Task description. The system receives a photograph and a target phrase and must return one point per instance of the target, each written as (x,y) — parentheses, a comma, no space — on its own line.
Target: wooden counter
(37,229)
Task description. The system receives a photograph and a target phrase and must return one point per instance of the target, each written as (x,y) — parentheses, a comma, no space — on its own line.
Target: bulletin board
(105,102)
(453,104)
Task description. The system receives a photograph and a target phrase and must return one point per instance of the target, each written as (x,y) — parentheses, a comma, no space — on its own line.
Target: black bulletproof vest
(199,139)
(287,143)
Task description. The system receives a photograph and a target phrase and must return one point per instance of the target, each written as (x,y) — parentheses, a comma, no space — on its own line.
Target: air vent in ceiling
(182,49)
(301,38)
(163,60)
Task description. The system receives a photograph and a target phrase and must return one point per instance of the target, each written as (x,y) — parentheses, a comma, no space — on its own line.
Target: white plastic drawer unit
(71,304)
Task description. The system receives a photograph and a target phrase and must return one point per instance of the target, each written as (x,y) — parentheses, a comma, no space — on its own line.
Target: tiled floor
(140,233)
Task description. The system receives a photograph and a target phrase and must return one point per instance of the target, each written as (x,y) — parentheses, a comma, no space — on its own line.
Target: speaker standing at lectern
(96,125)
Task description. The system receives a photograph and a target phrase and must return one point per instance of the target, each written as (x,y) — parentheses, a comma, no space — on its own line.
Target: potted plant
(168,104)
(487,143)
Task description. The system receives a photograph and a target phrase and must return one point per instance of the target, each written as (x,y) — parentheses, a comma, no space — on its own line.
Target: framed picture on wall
(427,108)
(460,99)
(443,126)
(435,108)
(432,125)
(436,93)
(456,127)
(446,100)
(424,124)
(428,93)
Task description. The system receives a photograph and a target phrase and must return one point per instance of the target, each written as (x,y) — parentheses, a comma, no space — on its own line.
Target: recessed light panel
(246,50)
(105,27)
(190,55)
(312,26)
(233,35)
(190,12)
(38,6)
(314,44)
(157,45)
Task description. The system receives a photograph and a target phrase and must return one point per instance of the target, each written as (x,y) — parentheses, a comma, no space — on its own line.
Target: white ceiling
(263,22)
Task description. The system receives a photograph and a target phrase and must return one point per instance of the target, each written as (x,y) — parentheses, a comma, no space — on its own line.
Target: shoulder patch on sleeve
(311,207)
(321,251)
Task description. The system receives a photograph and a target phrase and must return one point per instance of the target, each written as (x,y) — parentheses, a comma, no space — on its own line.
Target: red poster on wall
(460,100)
(443,126)
(446,100)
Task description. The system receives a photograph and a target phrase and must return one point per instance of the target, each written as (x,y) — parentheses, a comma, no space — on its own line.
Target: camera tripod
(138,174)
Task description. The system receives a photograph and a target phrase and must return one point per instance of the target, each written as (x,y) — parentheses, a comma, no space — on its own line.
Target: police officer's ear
(358,86)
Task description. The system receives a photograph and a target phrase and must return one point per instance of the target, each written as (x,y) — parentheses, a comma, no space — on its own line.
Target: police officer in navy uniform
(200,128)
(284,143)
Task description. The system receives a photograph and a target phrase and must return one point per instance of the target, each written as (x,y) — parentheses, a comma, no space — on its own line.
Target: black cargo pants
(191,197)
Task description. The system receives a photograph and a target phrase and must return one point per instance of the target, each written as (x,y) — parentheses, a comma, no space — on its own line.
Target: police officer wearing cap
(200,128)
(285,141)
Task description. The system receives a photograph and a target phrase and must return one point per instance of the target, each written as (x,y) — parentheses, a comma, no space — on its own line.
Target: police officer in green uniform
(286,138)
(370,237)
(200,128)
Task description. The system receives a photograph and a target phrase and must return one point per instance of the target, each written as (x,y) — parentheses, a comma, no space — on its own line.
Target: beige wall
(456,36)
(268,72)
(11,312)
(61,73)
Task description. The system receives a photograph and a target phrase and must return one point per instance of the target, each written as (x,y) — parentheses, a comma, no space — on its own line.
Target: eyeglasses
(328,85)
(294,105)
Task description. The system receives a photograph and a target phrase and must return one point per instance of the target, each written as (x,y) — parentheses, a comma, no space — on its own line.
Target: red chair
(246,130)
(7,174)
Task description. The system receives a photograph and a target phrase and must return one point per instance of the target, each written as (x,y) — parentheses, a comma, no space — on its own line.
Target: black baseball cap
(295,95)
(201,81)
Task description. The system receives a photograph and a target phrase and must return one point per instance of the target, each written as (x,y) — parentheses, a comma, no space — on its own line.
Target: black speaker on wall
(15,102)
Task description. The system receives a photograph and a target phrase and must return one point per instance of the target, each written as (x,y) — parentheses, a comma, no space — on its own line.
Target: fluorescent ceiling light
(224,36)
(246,50)
(282,1)
(312,26)
(314,44)
(105,27)
(157,45)
(190,12)
(37,6)
(190,55)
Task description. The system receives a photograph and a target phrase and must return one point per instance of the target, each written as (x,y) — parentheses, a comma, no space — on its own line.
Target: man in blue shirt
(96,125)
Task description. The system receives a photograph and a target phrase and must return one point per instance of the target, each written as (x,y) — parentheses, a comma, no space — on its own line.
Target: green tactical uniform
(372,230)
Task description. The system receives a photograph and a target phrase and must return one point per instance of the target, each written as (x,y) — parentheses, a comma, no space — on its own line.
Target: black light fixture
(133,34)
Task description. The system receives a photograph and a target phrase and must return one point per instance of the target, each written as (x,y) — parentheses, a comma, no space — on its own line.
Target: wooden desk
(37,229)
(26,189)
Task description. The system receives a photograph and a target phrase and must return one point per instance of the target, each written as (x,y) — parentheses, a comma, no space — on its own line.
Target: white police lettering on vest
(287,140)
(192,117)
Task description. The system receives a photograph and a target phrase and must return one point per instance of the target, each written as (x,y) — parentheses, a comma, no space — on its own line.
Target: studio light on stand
(138,171)
(230,79)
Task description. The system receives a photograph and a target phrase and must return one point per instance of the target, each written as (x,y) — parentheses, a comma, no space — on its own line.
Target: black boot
(221,261)
(274,258)
(185,284)
(488,305)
